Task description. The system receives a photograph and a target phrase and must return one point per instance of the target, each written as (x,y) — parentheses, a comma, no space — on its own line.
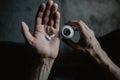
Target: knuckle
(92,32)
(79,21)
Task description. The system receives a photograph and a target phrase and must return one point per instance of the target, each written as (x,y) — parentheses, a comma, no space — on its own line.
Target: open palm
(46,23)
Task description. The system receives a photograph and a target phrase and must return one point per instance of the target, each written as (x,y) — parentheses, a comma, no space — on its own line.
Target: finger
(75,24)
(47,11)
(53,10)
(26,32)
(73,44)
(40,14)
(86,30)
(56,20)
(85,26)
(69,42)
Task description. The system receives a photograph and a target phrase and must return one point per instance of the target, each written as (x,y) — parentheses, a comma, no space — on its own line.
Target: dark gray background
(103,16)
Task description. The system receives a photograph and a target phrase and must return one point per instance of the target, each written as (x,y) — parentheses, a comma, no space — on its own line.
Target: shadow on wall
(17,61)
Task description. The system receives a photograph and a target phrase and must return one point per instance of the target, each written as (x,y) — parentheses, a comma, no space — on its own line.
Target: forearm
(105,62)
(42,70)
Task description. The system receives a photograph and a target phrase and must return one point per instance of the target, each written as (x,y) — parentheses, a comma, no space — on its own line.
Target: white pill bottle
(67,32)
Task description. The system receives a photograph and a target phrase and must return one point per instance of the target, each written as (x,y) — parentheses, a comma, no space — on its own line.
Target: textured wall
(103,16)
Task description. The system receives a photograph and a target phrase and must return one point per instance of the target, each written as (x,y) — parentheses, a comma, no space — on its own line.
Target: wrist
(42,68)
(108,65)
(100,56)
(47,60)
(104,61)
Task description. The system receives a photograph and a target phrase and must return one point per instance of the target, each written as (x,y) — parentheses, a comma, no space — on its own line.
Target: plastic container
(67,32)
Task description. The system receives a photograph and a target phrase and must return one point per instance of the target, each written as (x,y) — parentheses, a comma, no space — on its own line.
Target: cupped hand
(46,23)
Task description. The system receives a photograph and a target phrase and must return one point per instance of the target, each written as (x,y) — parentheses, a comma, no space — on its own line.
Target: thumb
(70,43)
(73,45)
(26,33)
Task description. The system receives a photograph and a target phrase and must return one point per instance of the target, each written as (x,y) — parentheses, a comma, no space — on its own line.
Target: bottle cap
(67,32)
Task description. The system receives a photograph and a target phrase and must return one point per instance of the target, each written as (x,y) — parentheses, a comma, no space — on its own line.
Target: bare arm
(89,45)
(42,69)
(106,63)
(46,24)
